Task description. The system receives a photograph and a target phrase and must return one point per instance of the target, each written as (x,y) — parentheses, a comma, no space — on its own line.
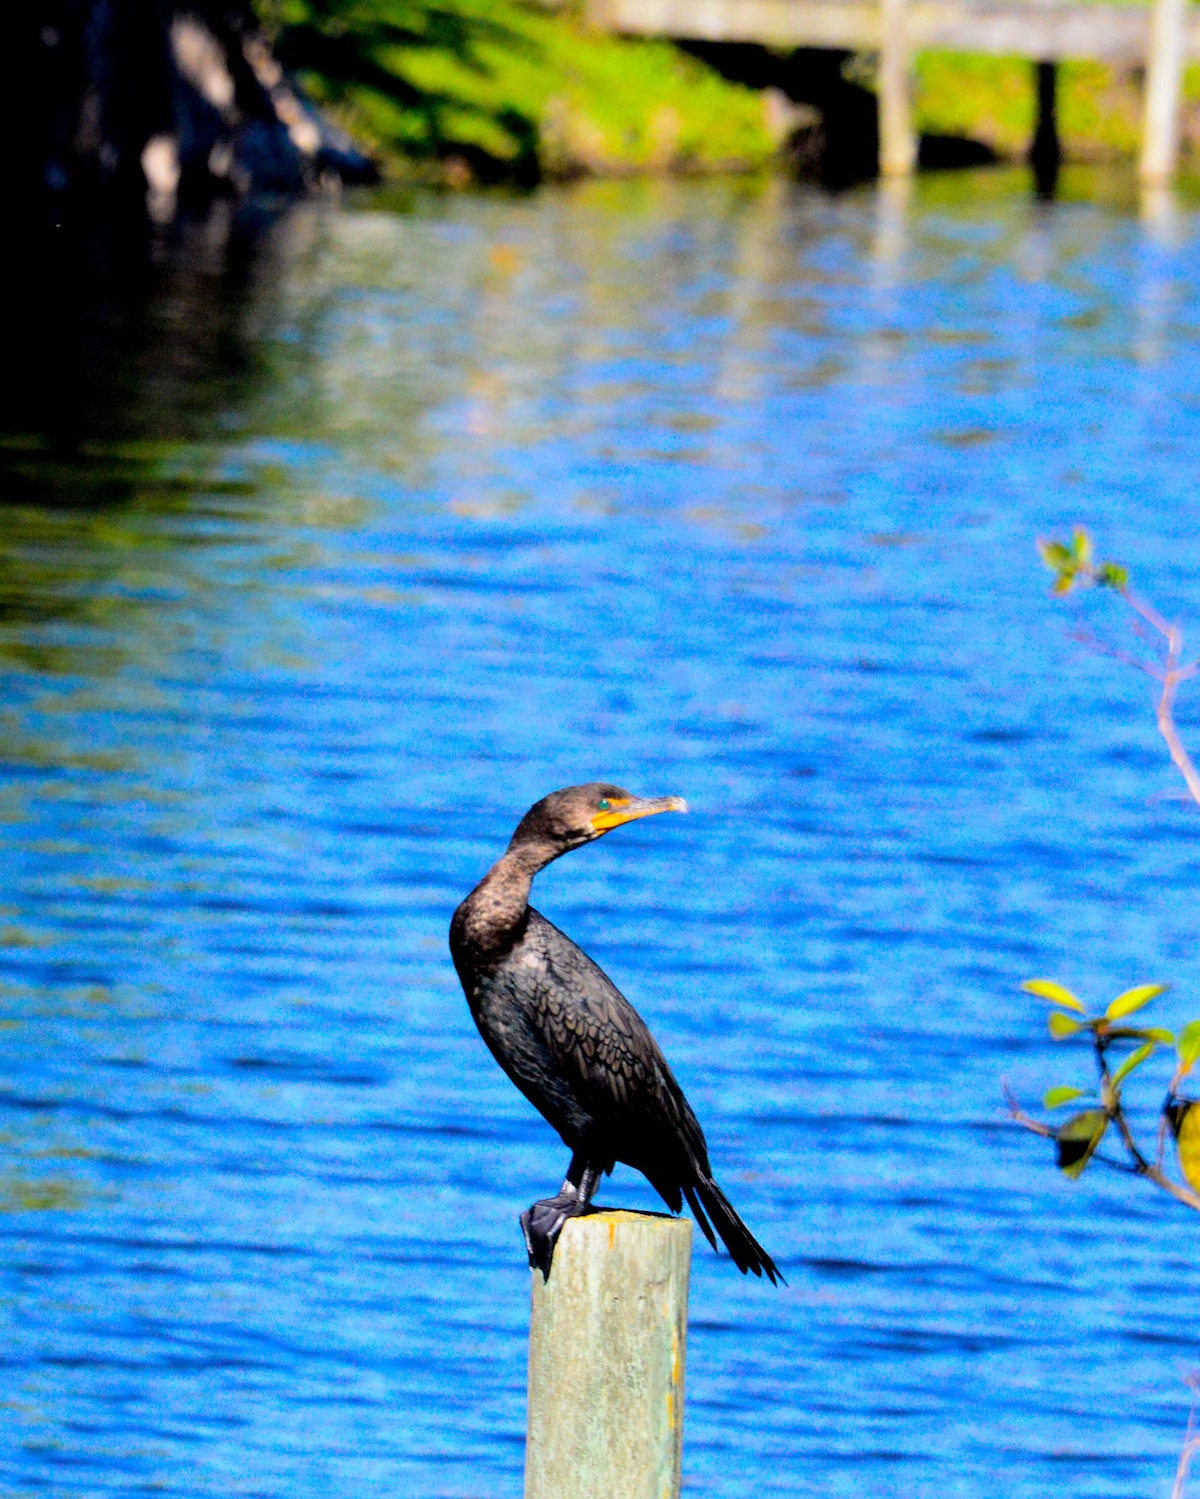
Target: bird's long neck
(494,912)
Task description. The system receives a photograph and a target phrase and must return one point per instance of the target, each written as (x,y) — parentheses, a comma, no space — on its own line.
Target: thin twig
(1191,1445)
(1181,1194)
(1190,1448)
(1102,648)
(1171,674)
(1116,1113)
(1138,1163)
(1152,1173)
(1150,614)
(1018,1115)
(1166,727)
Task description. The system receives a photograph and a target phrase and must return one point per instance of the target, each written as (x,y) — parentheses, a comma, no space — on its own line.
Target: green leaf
(1156,1033)
(1077,1141)
(1055,555)
(1134,1059)
(1134,999)
(1055,993)
(1112,575)
(1187,1142)
(1056,1097)
(1188,1045)
(1061,1026)
(1083,1126)
(1081,547)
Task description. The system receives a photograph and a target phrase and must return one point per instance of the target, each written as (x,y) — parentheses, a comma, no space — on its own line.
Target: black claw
(543,1222)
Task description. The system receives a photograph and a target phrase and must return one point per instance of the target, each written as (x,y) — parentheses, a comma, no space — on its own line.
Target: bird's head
(579,814)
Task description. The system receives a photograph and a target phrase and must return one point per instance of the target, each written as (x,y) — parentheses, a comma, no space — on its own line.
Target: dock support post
(897,142)
(1164,75)
(1046,154)
(607,1340)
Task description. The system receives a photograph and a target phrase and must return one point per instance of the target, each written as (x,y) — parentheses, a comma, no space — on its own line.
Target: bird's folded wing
(605,1047)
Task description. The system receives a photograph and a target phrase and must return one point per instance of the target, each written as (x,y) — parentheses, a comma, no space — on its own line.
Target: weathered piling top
(607,1344)
(1045,30)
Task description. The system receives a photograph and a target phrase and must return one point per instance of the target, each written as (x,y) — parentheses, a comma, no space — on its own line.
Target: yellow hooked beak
(633,808)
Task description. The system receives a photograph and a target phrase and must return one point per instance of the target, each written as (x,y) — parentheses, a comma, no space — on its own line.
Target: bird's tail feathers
(706,1198)
(698,1214)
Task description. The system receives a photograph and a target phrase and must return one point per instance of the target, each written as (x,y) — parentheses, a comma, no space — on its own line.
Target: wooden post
(1046,154)
(897,143)
(1164,73)
(607,1340)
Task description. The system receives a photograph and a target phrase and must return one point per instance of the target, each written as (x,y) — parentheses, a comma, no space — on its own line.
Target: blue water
(716,489)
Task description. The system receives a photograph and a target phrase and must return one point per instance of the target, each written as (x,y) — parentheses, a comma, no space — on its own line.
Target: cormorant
(573,1043)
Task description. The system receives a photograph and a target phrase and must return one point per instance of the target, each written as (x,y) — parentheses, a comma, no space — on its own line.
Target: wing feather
(605,1049)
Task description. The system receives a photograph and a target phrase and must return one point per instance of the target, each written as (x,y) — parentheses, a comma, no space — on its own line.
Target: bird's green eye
(604,804)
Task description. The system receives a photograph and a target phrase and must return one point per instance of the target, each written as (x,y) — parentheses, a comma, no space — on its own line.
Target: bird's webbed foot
(543,1221)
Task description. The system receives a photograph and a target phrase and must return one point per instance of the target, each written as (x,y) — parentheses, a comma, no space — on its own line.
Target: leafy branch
(1074,567)
(1119,1048)
(1077,1141)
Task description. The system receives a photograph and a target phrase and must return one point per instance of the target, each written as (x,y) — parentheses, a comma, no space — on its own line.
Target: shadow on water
(133,352)
(128,345)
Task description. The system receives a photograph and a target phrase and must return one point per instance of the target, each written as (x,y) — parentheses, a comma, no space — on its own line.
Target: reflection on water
(18,1194)
(325,551)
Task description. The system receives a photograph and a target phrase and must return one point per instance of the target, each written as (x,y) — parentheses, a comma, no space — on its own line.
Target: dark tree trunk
(134,106)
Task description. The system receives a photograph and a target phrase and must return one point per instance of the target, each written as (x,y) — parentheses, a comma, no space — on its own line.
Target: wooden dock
(1160,36)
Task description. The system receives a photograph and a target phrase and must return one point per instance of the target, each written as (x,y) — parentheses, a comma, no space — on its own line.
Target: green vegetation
(987,99)
(1078,1140)
(493,89)
(1076,568)
(499,88)
(991,99)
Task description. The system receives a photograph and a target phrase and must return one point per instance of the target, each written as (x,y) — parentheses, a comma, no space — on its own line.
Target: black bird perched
(573,1043)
